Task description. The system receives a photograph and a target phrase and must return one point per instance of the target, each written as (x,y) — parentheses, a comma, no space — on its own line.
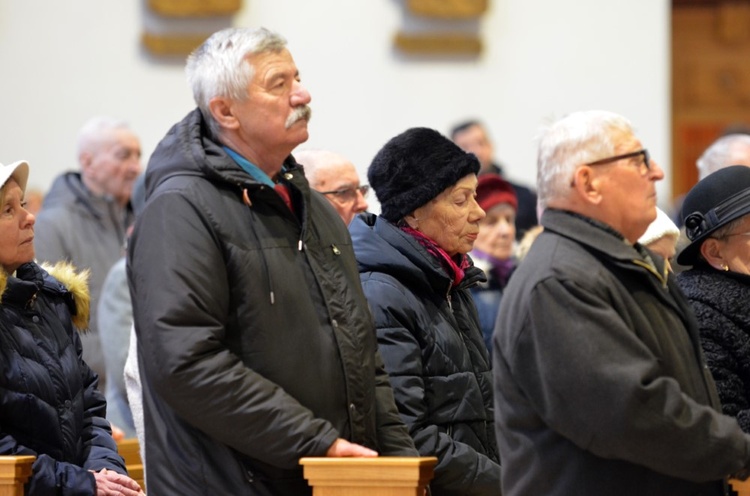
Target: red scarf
(450,265)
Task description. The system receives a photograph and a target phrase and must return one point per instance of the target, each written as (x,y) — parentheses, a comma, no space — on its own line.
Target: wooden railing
(14,472)
(381,476)
(742,488)
(128,449)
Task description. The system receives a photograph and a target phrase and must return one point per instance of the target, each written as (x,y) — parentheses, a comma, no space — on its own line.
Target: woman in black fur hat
(416,276)
(717,222)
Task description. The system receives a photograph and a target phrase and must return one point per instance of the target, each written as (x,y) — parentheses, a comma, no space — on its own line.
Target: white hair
(732,149)
(316,160)
(92,131)
(219,67)
(577,138)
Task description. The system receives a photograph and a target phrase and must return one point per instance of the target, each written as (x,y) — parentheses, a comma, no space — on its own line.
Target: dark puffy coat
(433,350)
(50,405)
(256,347)
(720,301)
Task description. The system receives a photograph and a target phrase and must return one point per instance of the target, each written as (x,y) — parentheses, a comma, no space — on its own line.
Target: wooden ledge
(380,476)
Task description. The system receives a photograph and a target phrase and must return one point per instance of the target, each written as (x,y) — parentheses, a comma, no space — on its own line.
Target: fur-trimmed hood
(76,284)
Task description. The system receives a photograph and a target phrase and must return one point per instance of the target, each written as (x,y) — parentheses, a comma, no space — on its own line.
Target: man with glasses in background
(335,177)
(600,383)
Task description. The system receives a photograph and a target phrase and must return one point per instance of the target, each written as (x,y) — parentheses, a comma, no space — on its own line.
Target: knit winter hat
(660,227)
(493,190)
(415,167)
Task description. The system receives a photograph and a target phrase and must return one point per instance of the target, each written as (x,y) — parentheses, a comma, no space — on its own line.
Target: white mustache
(301,112)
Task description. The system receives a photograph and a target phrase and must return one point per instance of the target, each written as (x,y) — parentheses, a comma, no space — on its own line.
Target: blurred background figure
(115,321)
(729,149)
(51,408)
(416,277)
(34,198)
(473,137)
(493,248)
(661,237)
(335,177)
(86,214)
(717,222)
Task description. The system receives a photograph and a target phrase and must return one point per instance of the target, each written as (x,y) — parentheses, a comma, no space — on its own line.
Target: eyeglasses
(644,152)
(348,193)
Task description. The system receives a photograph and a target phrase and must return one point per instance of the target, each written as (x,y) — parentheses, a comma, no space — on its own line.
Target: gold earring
(725,267)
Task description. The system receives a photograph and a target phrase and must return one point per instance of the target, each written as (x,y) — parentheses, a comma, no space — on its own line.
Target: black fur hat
(715,201)
(415,167)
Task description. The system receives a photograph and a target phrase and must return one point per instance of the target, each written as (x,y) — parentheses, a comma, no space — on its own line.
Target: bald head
(336,177)
(732,149)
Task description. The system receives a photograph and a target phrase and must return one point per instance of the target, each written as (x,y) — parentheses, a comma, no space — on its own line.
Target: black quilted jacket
(49,404)
(720,301)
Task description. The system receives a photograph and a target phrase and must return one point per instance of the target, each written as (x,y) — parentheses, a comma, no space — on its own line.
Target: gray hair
(91,132)
(732,149)
(578,138)
(219,67)
(315,160)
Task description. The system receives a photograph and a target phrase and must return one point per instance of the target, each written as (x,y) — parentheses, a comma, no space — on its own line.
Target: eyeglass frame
(644,152)
(346,193)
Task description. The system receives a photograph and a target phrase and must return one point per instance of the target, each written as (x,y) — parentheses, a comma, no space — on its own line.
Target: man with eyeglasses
(600,383)
(335,177)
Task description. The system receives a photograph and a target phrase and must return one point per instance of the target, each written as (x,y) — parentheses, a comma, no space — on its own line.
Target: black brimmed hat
(715,201)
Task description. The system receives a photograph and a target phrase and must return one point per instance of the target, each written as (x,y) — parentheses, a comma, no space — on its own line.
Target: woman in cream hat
(51,408)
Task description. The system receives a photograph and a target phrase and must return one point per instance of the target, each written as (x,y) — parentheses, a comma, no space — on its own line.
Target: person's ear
(587,185)
(711,250)
(411,221)
(222,111)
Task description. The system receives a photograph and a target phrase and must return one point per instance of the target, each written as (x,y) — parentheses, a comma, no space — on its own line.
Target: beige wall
(65,61)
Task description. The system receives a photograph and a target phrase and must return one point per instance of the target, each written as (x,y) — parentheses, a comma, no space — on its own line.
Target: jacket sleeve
(461,470)
(632,410)
(181,302)
(393,437)
(725,347)
(100,449)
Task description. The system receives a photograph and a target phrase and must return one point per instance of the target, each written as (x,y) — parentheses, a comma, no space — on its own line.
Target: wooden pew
(742,488)
(14,472)
(381,476)
(128,449)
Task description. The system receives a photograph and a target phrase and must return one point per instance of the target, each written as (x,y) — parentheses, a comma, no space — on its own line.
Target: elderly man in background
(335,177)
(600,383)
(86,214)
(256,346)
(473,137)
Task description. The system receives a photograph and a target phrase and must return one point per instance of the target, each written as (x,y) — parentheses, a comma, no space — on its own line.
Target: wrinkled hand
(342,447)
(110,483)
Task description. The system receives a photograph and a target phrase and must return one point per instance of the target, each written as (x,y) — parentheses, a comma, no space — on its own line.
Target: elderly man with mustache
(255,343)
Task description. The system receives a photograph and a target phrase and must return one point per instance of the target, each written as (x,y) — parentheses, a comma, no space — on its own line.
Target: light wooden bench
(14,472)
(129,451)
(381,476)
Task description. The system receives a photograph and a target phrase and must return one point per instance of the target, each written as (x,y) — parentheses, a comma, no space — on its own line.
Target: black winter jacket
(720,302)
(428,333)
(256,347)
(50,405)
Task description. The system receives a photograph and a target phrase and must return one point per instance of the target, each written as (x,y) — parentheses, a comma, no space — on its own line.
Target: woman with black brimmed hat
(717,223)
(416,276)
